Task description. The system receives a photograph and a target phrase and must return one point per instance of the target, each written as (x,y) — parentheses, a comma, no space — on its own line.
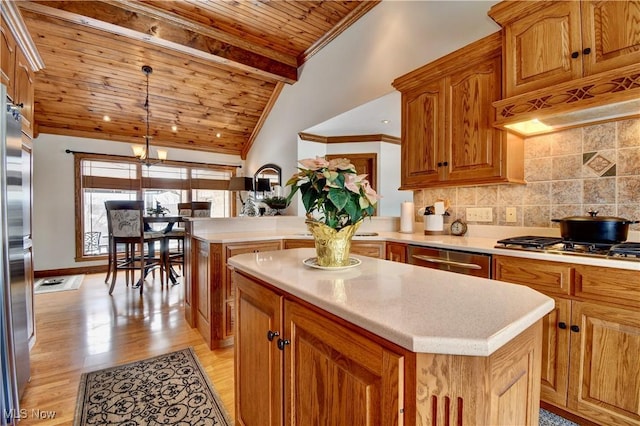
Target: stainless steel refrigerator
(14,355)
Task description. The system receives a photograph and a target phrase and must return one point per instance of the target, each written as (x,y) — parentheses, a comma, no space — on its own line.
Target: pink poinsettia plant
(333,192)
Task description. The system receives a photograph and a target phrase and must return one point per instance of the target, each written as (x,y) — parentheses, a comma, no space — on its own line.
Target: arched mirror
(266,178)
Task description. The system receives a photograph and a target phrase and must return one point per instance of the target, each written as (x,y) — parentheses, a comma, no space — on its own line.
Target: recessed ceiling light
(174,128)
(385,121)
(106,118)
(218,135)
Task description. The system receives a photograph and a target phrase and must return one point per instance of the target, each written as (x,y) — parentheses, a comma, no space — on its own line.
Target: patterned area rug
(53,284)
(170,389)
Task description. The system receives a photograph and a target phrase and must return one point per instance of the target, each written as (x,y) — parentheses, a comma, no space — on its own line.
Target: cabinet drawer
(547,277)
(609,285)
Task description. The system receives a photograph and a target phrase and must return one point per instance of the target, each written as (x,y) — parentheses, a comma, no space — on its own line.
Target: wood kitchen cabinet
(298,366)
(448,136)
(591,340)
(397,252)
(24,92)
(210,297)
(8,58)
(547,43)
(360,247)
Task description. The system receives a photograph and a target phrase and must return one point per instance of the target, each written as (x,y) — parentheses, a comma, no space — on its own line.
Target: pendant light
(142,153)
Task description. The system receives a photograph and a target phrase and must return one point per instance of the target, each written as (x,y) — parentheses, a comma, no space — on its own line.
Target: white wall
(53,193)
(358,66)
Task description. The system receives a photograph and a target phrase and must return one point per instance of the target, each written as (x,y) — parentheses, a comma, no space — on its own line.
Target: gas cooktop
(554,245)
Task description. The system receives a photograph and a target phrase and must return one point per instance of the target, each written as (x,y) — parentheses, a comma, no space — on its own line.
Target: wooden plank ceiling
(218,66)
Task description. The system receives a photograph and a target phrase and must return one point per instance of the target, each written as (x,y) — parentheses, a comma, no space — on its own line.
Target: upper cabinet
(8,55)
(547,43)
(448,136)
(24,89)
(20,61)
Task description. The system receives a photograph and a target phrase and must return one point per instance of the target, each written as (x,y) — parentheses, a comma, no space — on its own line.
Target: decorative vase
(332,246)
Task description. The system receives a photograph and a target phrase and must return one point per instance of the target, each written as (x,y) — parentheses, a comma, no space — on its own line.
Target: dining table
(169,221)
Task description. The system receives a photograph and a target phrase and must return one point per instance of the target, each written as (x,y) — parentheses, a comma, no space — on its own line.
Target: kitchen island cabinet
(591,339)
(382,343)
(210,292)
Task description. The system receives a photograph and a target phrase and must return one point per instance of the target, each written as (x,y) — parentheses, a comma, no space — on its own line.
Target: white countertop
(421,309)
(473,244)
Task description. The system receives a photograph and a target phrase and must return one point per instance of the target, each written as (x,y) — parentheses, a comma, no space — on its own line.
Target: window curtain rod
(70,151)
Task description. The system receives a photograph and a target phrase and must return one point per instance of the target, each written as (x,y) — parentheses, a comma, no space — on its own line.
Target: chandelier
(143,152)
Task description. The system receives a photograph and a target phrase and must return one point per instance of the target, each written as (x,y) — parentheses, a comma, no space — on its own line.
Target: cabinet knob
(283,343)
(574,55)
(575,328)
(562,325)
(586,51)
(446,163)
(440,164)
(271,335)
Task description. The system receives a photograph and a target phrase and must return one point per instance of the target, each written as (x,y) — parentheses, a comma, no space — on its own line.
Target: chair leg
(110,261)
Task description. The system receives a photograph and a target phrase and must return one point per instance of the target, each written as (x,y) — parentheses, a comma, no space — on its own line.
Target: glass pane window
(168,198)
(210,174)
(220,201)
(165,172)
(95,232)
(109,169)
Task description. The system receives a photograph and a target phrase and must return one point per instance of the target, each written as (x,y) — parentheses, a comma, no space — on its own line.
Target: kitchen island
(382,343)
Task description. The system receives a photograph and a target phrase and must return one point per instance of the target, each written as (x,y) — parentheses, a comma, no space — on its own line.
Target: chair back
(92,241)
(125,218)
(200,208)
(184,209)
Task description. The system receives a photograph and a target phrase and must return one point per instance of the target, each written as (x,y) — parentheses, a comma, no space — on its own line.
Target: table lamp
(240,184)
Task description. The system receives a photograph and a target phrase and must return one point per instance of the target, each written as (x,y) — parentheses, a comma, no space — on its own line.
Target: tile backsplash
(568,173)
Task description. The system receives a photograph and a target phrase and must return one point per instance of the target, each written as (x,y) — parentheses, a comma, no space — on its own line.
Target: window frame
(138,185)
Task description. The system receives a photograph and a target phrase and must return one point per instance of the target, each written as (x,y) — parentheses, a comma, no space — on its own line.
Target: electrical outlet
(479,214)
(511,215)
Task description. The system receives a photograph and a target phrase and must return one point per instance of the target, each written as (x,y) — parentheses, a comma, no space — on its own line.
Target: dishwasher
(476,264)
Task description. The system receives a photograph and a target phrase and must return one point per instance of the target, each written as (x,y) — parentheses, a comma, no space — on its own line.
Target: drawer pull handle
(575,328)
(283,343)
(562,325)
(447,262)
(271,335)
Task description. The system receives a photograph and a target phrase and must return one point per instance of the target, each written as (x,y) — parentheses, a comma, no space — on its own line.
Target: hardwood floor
(86,329)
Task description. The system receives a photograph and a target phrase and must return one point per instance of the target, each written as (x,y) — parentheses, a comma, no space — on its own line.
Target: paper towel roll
(406,217)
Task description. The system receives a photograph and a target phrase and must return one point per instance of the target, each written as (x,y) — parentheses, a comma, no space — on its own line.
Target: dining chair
(138,252)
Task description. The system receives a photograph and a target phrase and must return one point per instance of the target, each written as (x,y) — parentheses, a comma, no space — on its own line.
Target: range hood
(590,100)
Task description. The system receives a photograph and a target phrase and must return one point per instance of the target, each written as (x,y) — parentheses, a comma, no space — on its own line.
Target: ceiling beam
(143,23)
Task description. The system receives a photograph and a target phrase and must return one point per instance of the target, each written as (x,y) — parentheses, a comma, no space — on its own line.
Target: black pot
(594,229)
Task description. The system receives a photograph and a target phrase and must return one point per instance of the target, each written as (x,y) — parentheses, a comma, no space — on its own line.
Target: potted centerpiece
(336,199)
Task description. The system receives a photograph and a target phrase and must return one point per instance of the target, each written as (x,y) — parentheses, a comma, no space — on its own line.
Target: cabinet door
(555,353)
(605,365)
(336,376)
(474,146)
(368,248)
(24,92)
(422,135)
(8,59)
(228,316)
(397,252)
(538,48)
(202,290)
(610,31)
(258,361)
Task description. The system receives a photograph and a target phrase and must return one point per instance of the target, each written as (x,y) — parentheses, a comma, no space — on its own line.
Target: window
(102,178)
